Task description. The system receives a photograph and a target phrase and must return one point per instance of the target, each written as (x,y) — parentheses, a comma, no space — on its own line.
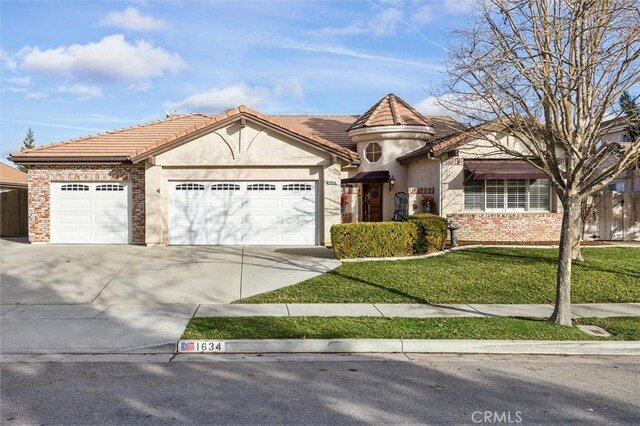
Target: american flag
(187,347)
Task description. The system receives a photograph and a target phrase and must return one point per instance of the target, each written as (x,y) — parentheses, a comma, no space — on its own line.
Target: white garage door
(235,213)
(90,213)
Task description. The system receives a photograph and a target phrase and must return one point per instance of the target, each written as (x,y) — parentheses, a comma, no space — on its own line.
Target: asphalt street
(322,389)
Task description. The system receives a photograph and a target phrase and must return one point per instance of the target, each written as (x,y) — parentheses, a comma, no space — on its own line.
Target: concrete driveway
(64,298)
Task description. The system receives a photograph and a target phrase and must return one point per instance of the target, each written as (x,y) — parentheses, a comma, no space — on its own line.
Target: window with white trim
(539,195)
(474,195)
(507,195)
(373,152)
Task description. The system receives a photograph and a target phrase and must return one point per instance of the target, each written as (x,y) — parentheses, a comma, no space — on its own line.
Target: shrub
(432,232)
(373,239)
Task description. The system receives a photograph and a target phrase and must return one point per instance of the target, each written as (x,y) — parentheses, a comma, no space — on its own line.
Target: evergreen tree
(28,143)
(632,111)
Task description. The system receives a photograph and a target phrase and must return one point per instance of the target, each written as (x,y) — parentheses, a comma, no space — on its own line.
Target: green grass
(628,327)
(480,275)
(401,328)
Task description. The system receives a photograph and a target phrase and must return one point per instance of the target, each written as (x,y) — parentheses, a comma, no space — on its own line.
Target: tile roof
(390,111)
(12,177)
(330,127)
(138,142)
(334,127)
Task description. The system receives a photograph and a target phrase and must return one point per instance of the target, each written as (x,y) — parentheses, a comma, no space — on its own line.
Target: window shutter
(474,195)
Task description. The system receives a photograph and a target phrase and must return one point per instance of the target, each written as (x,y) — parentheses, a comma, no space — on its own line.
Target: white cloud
(459,106)
(256,97)
(82,91)
(8,62)
(422,16)
(386,23)
(19,81)
(131,19)
(457,7)
(111,59)
(36,95)
(431,106)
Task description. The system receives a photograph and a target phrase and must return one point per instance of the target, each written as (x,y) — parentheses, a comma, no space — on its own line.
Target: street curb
(528,347)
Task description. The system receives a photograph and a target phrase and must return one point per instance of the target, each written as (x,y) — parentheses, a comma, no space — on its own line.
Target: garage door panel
(242,213)
(113,203)
(71,204)
(90,213)
(262,203)
(296,221)
(71,219)
(107,221)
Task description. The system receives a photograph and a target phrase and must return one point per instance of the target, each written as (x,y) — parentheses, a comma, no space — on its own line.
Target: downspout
(440,188)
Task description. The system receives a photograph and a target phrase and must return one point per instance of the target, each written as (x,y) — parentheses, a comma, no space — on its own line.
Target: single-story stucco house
(243,177)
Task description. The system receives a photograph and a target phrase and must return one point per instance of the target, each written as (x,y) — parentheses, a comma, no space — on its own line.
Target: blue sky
(74,68)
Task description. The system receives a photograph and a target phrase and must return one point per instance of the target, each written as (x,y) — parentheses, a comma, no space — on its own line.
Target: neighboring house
(616,215)
(243,177)
(13,202)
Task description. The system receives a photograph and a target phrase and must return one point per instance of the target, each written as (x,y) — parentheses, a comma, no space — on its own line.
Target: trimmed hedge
(432,232)
(423,233)
(373,239)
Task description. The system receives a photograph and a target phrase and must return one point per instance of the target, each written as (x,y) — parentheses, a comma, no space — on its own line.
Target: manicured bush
(432,232)
(373,239)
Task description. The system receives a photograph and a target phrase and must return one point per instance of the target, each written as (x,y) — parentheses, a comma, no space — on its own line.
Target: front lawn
(226,328)
(479,275)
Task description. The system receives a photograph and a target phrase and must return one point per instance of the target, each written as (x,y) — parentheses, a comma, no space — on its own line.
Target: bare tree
(548,72)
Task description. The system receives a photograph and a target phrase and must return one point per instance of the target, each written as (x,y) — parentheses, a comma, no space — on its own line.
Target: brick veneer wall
(508,227)
(41,176)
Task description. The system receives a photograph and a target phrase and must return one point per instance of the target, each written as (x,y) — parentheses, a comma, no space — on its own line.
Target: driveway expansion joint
(134,255)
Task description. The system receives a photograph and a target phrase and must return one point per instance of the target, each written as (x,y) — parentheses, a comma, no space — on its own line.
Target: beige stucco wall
(393,146)
(452,186)
(423,173)
(236,153)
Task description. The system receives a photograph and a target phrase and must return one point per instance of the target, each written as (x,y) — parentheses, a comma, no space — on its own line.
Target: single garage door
(239,213)
(90,213)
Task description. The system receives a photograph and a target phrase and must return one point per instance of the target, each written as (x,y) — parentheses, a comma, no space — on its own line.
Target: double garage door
(90,213)
(211,213)
(242,212)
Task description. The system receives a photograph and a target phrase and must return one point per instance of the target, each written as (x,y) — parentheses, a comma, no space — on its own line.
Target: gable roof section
(448,143)
(390,111)
(12,177)
(139,142)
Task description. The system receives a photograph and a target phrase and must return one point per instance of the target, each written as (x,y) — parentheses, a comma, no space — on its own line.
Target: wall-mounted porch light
(392,181)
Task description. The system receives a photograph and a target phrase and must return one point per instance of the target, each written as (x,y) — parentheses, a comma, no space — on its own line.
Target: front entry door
(372,202)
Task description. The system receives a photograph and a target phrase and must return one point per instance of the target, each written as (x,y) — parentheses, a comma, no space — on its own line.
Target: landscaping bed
(227,328)
(475,275)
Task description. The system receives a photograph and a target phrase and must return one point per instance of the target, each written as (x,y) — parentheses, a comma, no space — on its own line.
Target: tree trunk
(578,226)
(568,235)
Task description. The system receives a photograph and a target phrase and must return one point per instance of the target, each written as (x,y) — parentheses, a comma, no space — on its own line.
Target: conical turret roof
(390,111)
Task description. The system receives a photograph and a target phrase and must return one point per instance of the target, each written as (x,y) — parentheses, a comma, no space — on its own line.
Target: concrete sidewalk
(601,310)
